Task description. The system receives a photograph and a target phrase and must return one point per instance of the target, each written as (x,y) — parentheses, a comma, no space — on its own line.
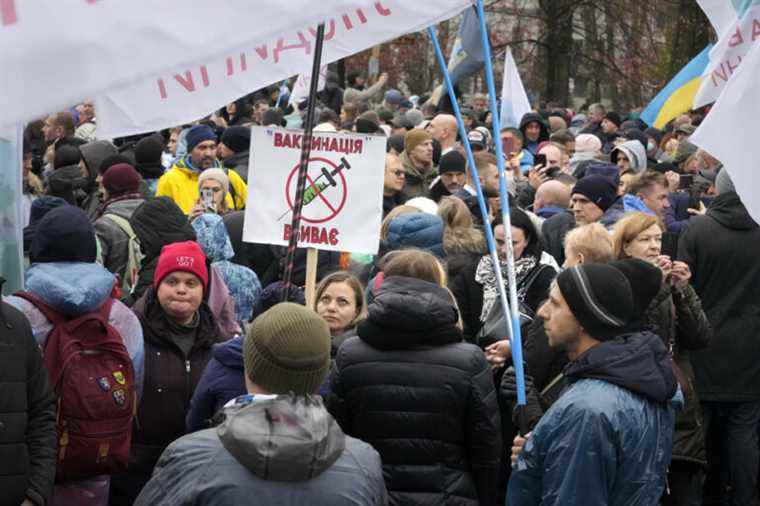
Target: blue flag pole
(475,180)
(516,338)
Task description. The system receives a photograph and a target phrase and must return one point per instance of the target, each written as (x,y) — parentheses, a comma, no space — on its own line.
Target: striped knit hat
(600,298)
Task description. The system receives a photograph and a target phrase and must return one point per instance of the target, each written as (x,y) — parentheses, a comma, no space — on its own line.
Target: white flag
(195,88)
(514,100)
(740,32)
(303,82)
(729,134)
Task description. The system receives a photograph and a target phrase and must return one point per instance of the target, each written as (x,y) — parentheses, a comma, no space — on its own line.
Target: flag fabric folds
(467,56)
(678,95)
(514,100)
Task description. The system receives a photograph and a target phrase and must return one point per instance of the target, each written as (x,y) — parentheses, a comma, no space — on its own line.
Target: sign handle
(312,255)
(303,169)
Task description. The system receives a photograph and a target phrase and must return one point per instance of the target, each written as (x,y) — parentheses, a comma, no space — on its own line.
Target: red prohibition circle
(342,180)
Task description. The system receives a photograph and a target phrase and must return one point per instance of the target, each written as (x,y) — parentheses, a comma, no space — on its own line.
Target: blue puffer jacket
(222,380)
(416,230)
(242,282)
(608,438)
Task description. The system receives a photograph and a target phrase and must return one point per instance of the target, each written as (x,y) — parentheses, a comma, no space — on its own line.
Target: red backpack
(92,375)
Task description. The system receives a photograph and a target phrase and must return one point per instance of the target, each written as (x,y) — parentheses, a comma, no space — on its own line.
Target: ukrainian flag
(678,96)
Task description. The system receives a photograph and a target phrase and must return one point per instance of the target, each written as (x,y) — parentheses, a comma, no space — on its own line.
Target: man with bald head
(443,128)
(552,197)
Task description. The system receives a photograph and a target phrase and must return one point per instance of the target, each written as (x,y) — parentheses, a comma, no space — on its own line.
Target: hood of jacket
(409,312)
(614,213)
(282,439)
(185,165)
(416,230)
(94,153)
(72,288)
(124,207)
(531,117)
(230,353)
(638,362)
(463,240)
(236,159)
(636,154)
(158,222)
(212,235)
(728,210)
(72,174)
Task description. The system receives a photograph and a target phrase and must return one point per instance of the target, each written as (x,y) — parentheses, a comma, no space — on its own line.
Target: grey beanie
(723,182)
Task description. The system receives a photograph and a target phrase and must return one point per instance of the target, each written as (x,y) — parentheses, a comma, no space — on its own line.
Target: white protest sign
(303,82)
(343,200)
(56,52)
(198,86)
(725,57)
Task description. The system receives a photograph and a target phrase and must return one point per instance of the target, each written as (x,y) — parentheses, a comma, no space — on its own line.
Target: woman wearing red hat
(179,330)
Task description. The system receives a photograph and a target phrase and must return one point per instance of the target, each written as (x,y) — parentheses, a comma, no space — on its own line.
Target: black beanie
(598,189)
(645,280)
(366,126)
(237,138)
(452,161)
(148,152)
(600,298)
(66,155)
(65,234)
(614,117)
(111,161)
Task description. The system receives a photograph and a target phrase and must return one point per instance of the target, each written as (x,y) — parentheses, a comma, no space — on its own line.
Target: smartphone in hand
(207,199)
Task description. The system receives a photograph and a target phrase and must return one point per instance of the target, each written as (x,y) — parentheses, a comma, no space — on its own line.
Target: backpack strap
(51,314)
(123,224)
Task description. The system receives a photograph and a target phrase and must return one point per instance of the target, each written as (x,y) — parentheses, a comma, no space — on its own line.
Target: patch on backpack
(120,397)
(119,377)
(104,384)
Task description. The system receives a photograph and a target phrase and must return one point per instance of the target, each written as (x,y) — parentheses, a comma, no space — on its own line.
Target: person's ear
(626,245)
(581,258)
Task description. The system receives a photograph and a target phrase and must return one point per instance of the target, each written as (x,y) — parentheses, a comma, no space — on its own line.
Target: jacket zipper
(188,384)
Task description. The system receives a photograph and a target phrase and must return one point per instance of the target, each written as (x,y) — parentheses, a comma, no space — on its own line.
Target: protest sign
(344,190)
(187,92)
(13,217)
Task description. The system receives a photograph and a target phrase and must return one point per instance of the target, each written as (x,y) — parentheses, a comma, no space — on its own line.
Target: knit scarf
(485,275)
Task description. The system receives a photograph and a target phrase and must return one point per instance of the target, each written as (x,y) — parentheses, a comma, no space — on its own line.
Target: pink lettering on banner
(8,12)
(347,22)
(162,88)
(732,68)
(186,82)
(303,44)
(8,15)
(204,76)
(382,10)
(736,38)
(230,66)
(262,51)
(361,16)
(329,32)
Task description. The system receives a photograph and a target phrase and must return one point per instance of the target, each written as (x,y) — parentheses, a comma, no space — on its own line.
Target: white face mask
(651,146)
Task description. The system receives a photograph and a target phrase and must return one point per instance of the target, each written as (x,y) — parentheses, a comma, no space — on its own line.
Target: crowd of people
(152,358)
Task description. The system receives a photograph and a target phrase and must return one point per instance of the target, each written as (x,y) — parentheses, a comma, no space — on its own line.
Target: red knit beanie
(120,179)
(181,256)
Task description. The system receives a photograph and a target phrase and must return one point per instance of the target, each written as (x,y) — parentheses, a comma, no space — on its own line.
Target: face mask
(651,146)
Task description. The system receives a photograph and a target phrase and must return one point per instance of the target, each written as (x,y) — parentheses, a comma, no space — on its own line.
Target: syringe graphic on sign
(318,186)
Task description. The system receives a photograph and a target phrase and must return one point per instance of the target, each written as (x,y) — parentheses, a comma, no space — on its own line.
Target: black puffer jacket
(27,414)
(421,397)
(721,249)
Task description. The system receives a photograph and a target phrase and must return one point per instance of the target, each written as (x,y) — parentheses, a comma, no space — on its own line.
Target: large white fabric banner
(343,201)
(514,100)
(186,92)
(728,132)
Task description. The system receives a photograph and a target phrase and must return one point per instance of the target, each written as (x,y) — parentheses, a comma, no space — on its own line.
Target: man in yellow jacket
(180,183)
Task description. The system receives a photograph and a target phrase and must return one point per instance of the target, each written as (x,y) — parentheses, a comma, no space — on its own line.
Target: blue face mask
(651,146)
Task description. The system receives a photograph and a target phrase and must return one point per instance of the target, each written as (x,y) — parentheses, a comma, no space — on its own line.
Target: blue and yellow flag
(467,57)
(678,95)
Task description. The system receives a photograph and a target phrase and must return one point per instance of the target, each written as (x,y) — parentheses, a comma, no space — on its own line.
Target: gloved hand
(524,417)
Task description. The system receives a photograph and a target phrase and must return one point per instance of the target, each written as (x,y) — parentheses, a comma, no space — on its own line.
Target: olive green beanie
(288,350)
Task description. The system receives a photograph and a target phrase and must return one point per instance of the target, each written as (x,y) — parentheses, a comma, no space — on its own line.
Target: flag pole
(303,169)
(516,339)
(474,170)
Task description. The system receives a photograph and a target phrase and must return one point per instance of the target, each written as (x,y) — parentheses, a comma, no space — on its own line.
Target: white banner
(303,82)
(514,100)
(721,13)
(729,134)
(57,52)
(195,88)
(343,201)
(738,37)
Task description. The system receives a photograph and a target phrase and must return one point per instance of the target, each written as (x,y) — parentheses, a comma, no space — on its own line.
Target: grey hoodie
(283,450)
(636,154)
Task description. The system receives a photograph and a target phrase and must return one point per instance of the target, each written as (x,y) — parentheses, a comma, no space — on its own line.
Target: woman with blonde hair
(423,397)
(339,300)
(675,315)
(461,240)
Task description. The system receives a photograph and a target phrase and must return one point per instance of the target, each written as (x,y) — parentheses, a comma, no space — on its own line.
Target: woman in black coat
(420,396)
(476,290)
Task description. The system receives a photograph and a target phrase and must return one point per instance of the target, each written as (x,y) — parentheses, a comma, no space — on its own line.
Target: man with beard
(180,183)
